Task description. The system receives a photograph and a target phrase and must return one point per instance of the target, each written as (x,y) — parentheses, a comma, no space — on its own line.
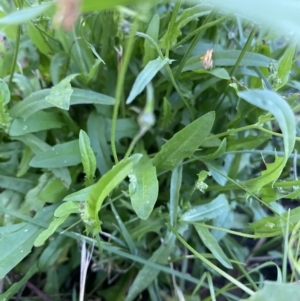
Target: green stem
(212,266)
(119,88)
(15,57)
(246,48)
(132,144)
(196,31)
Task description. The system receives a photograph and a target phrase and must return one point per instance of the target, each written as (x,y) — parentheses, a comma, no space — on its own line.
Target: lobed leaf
(102,188)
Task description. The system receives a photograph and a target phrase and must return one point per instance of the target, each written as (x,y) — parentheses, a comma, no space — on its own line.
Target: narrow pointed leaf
(184,143)
(210,242)
(87,157)
(145,77)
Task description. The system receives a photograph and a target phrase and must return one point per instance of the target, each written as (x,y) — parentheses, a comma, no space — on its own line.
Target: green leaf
(38,39)
(18,286)
(60,155)
(66,208)
(145,77)
(143,187)
(188,15)
(285,66)
(37,101)
(211,244)
(54,190)
(206,212)
(57,66)
(270,101)
(16,245)
(80,195)
(21,185)
(184,143)
(38,122)
(176,181)
(152,31)
(101,190)
(229,58)
(217,72)
(56,222)
(23,15)
(276,291)
(91,5)
(87,157)
(147,274)
(95,126)
(60,94)
(275,225)
(4,100)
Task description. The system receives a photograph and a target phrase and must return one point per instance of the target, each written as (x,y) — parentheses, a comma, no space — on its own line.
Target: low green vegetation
(149,151)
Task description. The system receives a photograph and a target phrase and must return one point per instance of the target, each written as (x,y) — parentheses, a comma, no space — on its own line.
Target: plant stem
(119,88)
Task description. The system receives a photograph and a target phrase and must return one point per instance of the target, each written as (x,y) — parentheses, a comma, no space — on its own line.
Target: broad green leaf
(54,190)
(66,208)
(285,66)
(206,212)
(145,77)
(18,286)
(23,15)
(15,246)
(211,244)
(101,190)
(37,101)
(270,101)
(276,291)
(60,155)
(229,58)
(217,72)
(143,187)
(147,274)
(184,143)
(56,222)
(87,157)
(80,195)
(21,185)
(275,225)
(60,94)
(38,122)
(4,100)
